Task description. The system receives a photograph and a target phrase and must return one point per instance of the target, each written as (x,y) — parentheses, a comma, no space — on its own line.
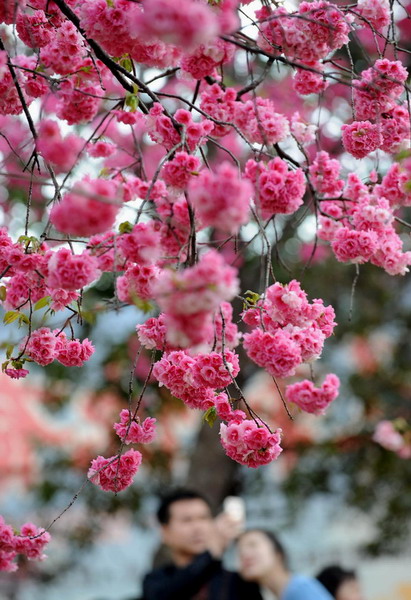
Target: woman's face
(256,555)
(349,590)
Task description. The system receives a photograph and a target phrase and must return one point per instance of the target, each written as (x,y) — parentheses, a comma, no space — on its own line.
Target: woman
(263,560)
(342,584)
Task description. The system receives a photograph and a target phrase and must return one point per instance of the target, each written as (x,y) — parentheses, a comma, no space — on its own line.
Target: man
(196,543)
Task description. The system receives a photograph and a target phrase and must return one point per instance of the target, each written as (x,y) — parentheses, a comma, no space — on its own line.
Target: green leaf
(3,293)
(251,299)
(131,101)
(143,305)
(125,227)
(42,302)
(9,350)
(4,365)
(127,64)
(17,364)
(23,319)
(89,316)
(210,416)
(10,316)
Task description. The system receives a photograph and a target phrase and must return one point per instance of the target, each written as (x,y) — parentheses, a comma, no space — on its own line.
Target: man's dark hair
(273,539)
(332,577)
(163,511)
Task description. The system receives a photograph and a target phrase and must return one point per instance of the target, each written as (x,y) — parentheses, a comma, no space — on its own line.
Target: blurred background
(333,496)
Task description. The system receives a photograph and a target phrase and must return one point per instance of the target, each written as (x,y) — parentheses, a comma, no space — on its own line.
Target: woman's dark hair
(333,576)
(275,542)
(163,511)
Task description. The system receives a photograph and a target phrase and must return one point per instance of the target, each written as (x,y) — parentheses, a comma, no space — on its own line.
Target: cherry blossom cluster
(277,188)
(30,542)
(360,226)
(221,199)
(312,399)
(162,146)
(194,379)
(43,346)
(116,473)
(131,431)
(287,329)
(248,441)
(382,122)
(394,436)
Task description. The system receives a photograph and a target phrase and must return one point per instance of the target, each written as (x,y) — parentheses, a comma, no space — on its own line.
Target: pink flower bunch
(354,246)
(9,9)
(78,102)
(61,298)
(101,149)
(219,105)
(395,129)
(308,82)
(249,442)
(142,245)
(16,374)
(34,30)
(115,474)
(137,282)
(215,371)
(186,23)
(199,288)
(178,171)
(108,23)
(375,99)
(364,230)
(71,271)
(104,248)
(152,333)
(302,131)
(65,52)
(131,431)
(22,287)
(390,435)
(44,345)
(162,131)
(224,329)
(288,329)
(324,175)
(185,331)
(312,399)
(10,103)
(134,187)
(155,53)
(375,13)
(72,353)
(174,371)
(61,151)
(207,57)
(309,34)
(29,542)
(90,208)
(41,346)
(278,189)
(221,199)
(276,352)
(259,122)
(393,186)
(361,137)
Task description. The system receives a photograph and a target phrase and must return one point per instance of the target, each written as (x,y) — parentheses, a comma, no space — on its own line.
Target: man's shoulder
(162,571)
(302,587)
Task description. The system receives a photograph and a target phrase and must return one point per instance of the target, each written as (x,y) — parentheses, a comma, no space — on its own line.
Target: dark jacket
(174,583)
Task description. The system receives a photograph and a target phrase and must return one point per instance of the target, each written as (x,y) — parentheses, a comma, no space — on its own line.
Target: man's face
(189,528)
